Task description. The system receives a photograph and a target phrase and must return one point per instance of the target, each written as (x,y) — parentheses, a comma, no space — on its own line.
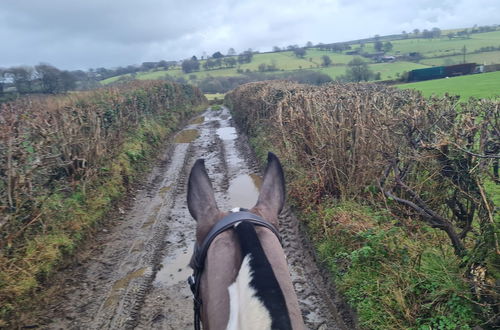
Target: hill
(400,54)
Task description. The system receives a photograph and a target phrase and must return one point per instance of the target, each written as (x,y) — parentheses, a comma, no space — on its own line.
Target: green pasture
(390,71)
(218,96)
(336,58)
(442,46)
(484,85)
(283,60)
(479,58)
(333,71)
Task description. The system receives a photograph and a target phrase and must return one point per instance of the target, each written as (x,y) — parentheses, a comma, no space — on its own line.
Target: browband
(200,252)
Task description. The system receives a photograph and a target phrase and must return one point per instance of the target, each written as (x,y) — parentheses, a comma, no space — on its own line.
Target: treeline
(42,78)
(217,61)
(64,160)
(225,84)
(396,190)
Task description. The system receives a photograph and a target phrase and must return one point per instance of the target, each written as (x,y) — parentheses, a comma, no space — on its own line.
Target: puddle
(121,284)
(163,191)
(257,180)
(150,221)
(244,190)
(227,133)
(197,120)
(187,136)
(174,268)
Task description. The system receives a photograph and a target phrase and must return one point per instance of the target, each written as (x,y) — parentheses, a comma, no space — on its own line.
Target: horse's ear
(272,191)
(200,195)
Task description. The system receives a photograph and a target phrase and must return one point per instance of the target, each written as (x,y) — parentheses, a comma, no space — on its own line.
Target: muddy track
(134,276)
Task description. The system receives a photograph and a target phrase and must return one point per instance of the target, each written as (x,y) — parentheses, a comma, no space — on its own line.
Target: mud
(133,275)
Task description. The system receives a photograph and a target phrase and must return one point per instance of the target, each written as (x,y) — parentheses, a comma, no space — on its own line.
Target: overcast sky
(82,34)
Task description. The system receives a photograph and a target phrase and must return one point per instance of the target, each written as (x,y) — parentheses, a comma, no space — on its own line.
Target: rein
(200,252)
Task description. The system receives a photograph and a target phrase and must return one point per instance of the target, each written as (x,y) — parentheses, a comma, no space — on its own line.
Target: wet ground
(134,274)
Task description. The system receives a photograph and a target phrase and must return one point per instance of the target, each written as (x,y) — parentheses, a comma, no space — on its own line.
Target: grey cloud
(93,33)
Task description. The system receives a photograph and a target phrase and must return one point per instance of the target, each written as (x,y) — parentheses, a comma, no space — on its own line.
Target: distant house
(387,58)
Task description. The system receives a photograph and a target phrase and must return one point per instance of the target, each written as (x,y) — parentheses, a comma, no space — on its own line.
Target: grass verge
(67,216)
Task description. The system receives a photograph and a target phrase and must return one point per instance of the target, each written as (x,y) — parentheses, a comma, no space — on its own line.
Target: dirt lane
(135,274)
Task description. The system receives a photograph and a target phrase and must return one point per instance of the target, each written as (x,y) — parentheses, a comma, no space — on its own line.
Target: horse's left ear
(200,195)
(272,192)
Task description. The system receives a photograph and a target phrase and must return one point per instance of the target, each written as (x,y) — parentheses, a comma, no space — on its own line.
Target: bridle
(200,252)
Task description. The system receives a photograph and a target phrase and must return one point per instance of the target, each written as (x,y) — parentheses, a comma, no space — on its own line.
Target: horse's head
(203,207)
(231,253)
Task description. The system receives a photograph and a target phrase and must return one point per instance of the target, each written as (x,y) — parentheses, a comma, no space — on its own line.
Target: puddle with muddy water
(244,190)
(227,133)
(187,136)
(175,268)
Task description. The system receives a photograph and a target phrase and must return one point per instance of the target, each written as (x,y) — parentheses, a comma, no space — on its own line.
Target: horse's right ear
(200,195)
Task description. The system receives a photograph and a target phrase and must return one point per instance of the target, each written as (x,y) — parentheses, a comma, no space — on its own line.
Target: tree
(326,60)
(245,57)
(309,44)
(387,46)
(230,62)
(378,45)
(358,70)
(450,35)
(190,65)
(416,32)
(300,52)
(49,77)
(217,55)
(436,32)
(231,52)
(164,64)
(22,77)
(427,34)
(276,49)
(54,80)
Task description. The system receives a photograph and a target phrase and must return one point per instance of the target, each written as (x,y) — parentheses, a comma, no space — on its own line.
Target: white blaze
(246,311)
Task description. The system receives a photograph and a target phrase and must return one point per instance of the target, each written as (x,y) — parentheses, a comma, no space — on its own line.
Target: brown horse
(241,278)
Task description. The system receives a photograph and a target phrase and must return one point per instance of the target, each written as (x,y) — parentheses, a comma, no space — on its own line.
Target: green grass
(485,85)
(333,71)
(480,58)
(442,46)
(218,96)
(390,70)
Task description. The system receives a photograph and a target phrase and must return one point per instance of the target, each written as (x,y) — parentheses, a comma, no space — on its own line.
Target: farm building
(437,72)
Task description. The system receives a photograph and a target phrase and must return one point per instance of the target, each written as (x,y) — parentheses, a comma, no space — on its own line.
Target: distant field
(443,46)
(485,85)
(287,61)
(333,71)
(391,70)
(218,96)
(480,58)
